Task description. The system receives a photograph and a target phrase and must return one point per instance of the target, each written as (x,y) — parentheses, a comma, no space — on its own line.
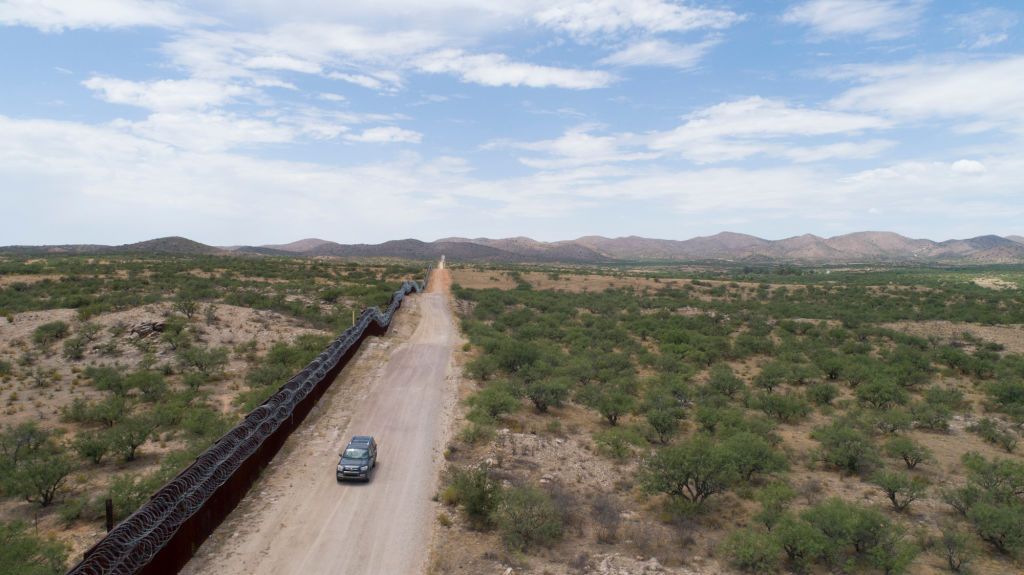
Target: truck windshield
(355,453)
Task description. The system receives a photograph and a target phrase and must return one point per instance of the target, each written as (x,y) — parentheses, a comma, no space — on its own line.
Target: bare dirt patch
(995,283)
(1010,337)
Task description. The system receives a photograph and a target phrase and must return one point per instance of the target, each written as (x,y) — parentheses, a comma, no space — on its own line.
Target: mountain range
(859,247)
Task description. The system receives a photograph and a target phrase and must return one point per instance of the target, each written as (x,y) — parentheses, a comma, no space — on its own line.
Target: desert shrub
(822,393)
(209,362)
(664,421)
(27,554)
(787,408)
(92,445)
(956,548)
(852,531)
(5,368)
(949,397)
(802,542)
(890,420)
(475,433)
(74,348)
(931,417)
(845,447)
(612,401)
(752,551)
(546,393)
(774,499)
(722,381)
(911,452)
(1000,525)
(617,442)
(881,394)
(992,433)
(494,400)
(42,478)
(477,494)
(127,436)
(107,412)
(693,470)
(526,517)
(1007,395)
(752,455)
(152,385)
(772,375)
(50,333)
(900,488)
(482,367)
(108,379)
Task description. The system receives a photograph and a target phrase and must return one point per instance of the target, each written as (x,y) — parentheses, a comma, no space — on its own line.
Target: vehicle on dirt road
(358,459)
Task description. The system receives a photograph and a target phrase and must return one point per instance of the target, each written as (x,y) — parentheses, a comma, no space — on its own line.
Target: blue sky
(259,121)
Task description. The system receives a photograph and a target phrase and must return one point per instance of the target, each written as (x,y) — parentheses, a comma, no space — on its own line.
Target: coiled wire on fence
(132,545)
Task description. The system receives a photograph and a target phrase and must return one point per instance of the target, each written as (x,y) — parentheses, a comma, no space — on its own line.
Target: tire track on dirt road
(298,519)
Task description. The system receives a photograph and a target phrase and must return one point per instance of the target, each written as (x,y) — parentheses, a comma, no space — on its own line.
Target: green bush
(26,554)
(127,436)
(881,394)
(911,452)
(494,400)
(526,517)
(787,408)
(5,368)
(693,470)
(1000,525)
(774,499)
(616,442)
(722,381)
(74,348)
(477,494)
(664,421)
(547,393)
(992,433)
(92,445)
(802,542)
(751,551)
(845,447)
(50,333)
(752,455)
(900,488)
(822,393)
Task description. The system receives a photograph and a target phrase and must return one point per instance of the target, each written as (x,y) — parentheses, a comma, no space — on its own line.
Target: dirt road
(298,519)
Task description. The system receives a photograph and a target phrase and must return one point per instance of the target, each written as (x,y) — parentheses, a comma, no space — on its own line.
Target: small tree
(723,381)
(801,541)
(664,422)
(1000,525)
(186,305)
(613,403)
(207,361)
(74,348)
(25,554)
(41,479)
(774,499)
(92,445)
(957,548)
(49,333)
(911,452)
(901,489)
(693,470)
(753,552)
(526,517)
(546,393)
(751,454)
(130,434)
(845,447)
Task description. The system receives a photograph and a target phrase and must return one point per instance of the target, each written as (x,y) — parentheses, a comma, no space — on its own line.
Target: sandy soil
(994,283)
(298,519)
(1009,336)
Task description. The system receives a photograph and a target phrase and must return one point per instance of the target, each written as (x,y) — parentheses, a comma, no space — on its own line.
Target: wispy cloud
(662,53)
(60,15)
(498,70)
(876,19)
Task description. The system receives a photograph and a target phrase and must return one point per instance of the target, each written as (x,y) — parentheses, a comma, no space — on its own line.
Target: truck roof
(361,439)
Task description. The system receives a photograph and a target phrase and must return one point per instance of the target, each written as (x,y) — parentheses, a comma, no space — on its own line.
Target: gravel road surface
(298,519)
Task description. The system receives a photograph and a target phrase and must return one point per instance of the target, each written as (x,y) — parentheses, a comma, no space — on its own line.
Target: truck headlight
(364,468)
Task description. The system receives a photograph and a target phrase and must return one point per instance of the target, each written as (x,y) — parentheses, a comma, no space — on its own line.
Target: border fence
(164,533)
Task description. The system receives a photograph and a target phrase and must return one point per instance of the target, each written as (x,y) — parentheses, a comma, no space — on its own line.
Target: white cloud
(60,15)
(840,150)
(985,27)
(499,70)
(578,147)
(279,62)
(387,135)
(166,94)
(659,52)
(968,167)
(980,94)
(736,130)
(208,132)
(876,19)
(592,17)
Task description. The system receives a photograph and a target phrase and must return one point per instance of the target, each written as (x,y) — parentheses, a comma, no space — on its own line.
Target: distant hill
(859,247)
